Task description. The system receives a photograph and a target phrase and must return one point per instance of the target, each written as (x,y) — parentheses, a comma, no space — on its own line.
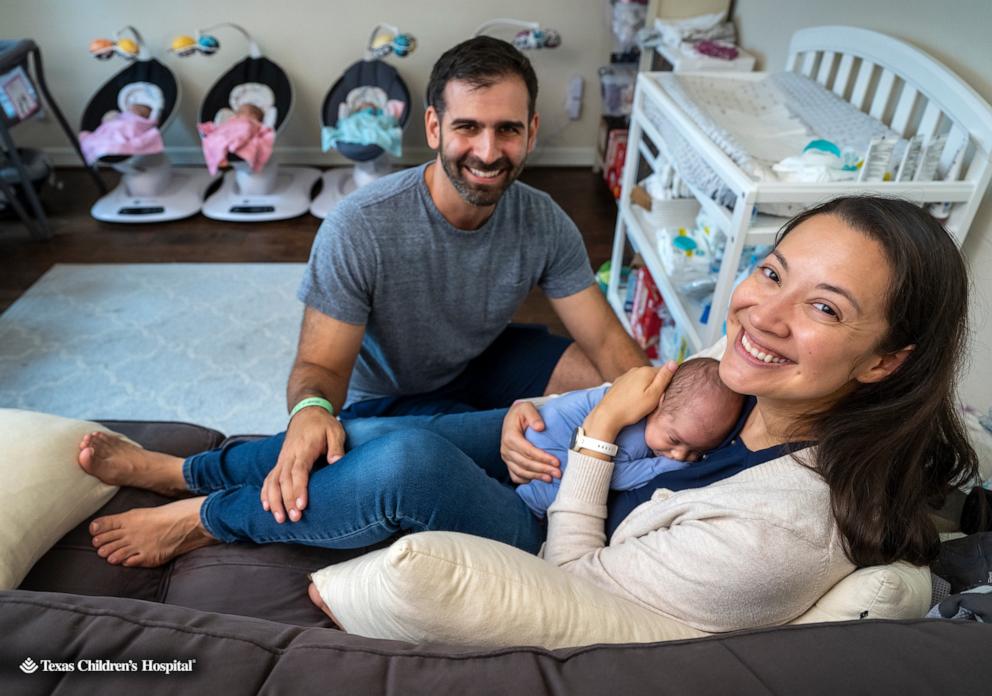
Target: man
(412,280)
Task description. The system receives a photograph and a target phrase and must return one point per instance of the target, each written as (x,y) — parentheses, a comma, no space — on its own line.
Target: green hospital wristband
(312,401)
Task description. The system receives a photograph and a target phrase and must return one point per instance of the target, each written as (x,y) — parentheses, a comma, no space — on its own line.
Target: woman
(847,335)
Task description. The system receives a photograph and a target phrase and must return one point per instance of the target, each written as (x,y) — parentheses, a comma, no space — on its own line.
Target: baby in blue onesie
(694,415)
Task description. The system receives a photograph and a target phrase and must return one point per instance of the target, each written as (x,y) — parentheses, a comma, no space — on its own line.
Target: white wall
(314,41)
(956,33)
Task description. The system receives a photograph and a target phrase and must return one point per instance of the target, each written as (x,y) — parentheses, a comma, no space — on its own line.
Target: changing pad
(758,123)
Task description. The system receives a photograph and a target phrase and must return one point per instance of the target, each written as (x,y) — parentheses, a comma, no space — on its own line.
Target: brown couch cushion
(237,655)
(263,581)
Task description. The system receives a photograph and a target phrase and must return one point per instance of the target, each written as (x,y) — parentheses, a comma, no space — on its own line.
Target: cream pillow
(460,589)
(455,588)
(895,591)
(43,493)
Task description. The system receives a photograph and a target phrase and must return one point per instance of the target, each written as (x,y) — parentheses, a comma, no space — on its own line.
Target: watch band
(582,441)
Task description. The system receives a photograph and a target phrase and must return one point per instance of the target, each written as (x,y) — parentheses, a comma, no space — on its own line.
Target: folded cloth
(125,134)
(365,127)
(244,136)
(973,605)
(813,167)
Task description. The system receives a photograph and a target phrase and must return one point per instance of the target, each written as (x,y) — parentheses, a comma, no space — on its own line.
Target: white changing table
(894,82)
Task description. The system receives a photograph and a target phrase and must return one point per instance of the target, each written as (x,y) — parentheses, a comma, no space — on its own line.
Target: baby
(243,134)
(367,117)
(694,415)
(132,132)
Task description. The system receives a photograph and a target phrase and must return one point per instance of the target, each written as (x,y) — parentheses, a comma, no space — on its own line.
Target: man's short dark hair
(481,62)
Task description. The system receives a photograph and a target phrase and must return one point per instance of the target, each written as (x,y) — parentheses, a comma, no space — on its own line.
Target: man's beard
(475,194)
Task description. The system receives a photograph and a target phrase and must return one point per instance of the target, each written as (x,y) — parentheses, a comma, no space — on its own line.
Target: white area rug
(210,344)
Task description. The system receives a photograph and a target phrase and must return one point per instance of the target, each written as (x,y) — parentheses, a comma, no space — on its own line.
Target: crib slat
(826,67)
(843,74)
(882,94)
(957,140)
(792,62)
(861,86)
(929,122)
(900,120)
(809,63)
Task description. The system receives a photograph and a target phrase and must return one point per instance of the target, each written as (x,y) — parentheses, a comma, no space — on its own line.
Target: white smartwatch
(581,441)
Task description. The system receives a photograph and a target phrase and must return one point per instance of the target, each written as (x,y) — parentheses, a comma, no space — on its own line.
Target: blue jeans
(405,474)
(518,364)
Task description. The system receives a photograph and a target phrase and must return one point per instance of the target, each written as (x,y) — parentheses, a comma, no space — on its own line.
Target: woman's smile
(758,353)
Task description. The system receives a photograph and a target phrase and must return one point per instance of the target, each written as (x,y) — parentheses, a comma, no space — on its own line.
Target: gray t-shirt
(433,297)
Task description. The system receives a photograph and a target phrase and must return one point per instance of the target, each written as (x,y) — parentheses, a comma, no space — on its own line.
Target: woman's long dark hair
(891,451)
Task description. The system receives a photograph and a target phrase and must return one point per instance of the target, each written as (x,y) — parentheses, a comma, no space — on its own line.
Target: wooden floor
(81,239)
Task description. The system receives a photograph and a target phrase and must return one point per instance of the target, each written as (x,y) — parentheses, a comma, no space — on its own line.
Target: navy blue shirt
(729,457)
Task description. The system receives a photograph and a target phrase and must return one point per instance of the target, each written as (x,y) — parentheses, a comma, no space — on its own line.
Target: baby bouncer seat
(151,189)
(370,82)
(275,192)
(23,170)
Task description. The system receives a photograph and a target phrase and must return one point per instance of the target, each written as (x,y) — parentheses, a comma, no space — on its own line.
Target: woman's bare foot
(150,537)
(117,462)
(321,604)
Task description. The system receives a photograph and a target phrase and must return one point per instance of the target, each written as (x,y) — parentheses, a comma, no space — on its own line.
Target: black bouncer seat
(151,189)
(275,192)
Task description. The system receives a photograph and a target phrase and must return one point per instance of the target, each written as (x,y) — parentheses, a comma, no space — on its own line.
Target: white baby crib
(899,85)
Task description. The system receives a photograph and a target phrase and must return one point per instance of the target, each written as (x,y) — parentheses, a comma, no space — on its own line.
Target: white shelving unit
(903,87)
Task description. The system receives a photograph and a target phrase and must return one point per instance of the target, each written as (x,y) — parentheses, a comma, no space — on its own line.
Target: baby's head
(695,413)
(251,111)
(142,110)
(368,107)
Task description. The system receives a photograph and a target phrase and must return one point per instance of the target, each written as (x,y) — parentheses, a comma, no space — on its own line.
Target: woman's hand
(633,396)
(524,461)
(311,433)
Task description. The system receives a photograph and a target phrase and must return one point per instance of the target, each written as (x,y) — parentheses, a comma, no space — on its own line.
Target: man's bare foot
(321,604)
(119,463)
(150,537)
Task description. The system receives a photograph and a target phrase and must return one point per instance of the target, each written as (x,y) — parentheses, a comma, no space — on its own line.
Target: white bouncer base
(337,183)
(181,198)
(289,198)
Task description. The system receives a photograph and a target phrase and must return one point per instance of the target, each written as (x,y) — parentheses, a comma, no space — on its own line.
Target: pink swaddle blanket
(125,134)
(242,135)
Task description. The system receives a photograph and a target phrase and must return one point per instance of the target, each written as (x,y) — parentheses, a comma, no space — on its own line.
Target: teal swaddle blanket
(365,127)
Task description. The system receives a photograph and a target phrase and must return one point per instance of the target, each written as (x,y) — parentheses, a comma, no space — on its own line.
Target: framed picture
(18,97)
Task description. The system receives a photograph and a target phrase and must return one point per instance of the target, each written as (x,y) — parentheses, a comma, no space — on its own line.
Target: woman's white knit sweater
(755,549)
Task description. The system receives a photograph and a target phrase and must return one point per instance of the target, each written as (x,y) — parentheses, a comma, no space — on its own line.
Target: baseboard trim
(312,156)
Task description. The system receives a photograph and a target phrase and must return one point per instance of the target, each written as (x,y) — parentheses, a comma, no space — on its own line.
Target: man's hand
(525,461)
(312,432)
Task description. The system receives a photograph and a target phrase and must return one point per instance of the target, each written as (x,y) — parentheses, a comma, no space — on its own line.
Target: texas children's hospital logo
(30,666)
